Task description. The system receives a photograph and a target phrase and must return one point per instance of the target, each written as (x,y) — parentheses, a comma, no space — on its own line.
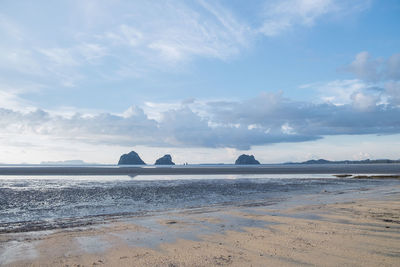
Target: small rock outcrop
(132,158)
(165,160)
(246,159)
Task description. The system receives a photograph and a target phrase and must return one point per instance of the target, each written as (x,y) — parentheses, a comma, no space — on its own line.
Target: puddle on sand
(189,227)
(17,250)
(166,228)
(159,232)
(93,244)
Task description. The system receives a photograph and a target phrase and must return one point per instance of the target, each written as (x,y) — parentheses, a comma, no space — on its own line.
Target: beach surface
(354,228)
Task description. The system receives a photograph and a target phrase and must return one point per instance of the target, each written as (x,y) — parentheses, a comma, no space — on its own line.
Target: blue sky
(206,81)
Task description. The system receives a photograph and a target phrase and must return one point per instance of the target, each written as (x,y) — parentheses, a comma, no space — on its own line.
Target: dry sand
(358,233)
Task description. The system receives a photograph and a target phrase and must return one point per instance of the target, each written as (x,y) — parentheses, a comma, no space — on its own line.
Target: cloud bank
(265,119)
(346,107)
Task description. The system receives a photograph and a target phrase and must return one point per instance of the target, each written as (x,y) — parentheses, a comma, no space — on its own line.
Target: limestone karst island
(133,158)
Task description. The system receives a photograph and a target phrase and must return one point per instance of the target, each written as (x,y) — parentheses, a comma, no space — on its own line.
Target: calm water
(36,203)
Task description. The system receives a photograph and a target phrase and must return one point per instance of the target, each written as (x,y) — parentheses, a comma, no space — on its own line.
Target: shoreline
(353,229)
(341,169)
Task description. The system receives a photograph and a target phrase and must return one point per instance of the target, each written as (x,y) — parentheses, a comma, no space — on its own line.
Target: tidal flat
(333,224)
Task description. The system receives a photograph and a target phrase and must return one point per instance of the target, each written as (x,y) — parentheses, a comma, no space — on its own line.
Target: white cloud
(364,101)
(338,92)
(365,67)
(176,32)
(91,52)
(155,110)
(119,41)
(284,15)
(20,60)
(125,40)
(198,125)
(84,53)
(124,35)
(266,119)
(60,56)
(287,129)
(375,69)
(10,94)
(393,67)
(392,89)
(380,75)
(236,29)
(254,126)
(10,100)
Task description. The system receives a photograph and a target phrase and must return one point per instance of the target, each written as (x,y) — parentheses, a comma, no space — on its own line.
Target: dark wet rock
(246,159)
(165,160)
(132,158)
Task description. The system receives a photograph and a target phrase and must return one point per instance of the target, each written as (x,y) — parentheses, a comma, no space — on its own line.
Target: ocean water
(52,202)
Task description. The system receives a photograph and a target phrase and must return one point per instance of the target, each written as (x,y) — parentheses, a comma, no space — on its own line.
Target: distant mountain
(318,161)
(246,159)
(132,158)
(65,162)
(165,160)
(366,161)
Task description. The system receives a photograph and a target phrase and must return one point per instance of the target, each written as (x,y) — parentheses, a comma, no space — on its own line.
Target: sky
(205,81)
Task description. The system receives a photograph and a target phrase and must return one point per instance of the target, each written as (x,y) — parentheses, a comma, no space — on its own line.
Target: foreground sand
(355,233)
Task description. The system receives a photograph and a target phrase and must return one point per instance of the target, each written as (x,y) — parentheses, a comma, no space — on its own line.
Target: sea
(36,203)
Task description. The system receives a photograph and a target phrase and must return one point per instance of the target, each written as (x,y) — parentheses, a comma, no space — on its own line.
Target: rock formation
(246,159)
(132,158)
(165,160)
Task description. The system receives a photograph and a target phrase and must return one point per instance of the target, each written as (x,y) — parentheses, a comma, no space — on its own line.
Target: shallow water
(43,203)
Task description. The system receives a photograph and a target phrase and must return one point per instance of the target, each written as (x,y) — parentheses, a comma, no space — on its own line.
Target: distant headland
(365,161)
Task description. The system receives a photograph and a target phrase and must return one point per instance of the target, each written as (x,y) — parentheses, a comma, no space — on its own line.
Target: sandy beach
(359,231)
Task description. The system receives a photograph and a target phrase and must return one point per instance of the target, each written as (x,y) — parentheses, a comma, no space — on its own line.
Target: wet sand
(353,232)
